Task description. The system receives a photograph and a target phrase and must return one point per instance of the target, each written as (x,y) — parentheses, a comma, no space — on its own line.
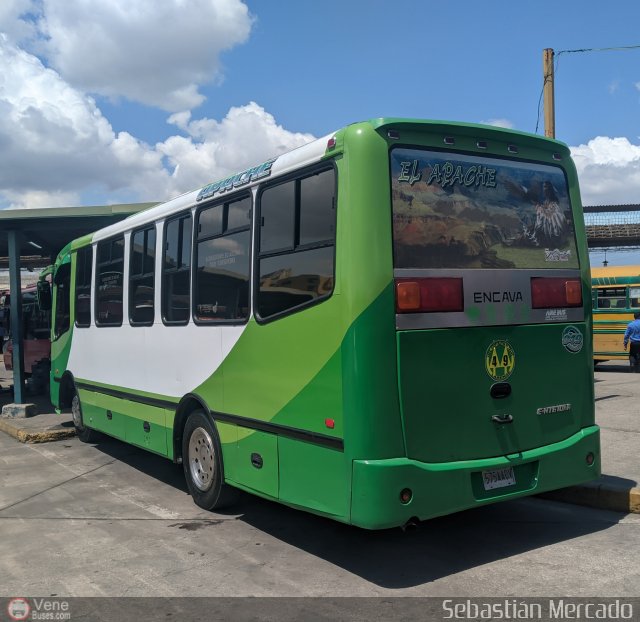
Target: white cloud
(499,123)
(608,170)
(213,149)
(53,138)
(156,53)
(13,23)
(56,146)
(40,198)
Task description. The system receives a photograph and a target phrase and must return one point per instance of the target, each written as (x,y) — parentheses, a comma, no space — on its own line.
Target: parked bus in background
(36,329)
(387,324)
(615,298)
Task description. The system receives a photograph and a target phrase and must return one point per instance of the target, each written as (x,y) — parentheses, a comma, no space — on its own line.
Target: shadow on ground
(392,558)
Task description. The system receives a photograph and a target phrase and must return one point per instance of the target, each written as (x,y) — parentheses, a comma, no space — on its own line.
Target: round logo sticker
(572,339)
(18,609)
(499,360)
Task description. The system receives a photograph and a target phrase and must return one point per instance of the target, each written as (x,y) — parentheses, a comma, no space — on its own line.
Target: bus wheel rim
(201,459)
(75,413)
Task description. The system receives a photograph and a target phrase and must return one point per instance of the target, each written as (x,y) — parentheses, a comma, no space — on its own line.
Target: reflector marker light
(406,495)
(555,292)
(426,295)
(331,143)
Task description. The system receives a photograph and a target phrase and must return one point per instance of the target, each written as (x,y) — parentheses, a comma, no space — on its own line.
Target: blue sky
(106,101)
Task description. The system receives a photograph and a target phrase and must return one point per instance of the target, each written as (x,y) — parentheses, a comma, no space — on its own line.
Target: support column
(15,284)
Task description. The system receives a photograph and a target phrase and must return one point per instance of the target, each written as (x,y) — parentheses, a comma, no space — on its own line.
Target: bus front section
(493,326)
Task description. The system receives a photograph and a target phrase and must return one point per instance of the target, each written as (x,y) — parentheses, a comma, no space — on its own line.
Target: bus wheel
(202,464)
(86,435)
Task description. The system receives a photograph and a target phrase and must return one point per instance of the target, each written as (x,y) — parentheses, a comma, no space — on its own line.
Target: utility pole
(547,89)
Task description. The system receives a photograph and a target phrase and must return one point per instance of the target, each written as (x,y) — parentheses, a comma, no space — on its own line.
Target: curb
(26,435)
(600,494)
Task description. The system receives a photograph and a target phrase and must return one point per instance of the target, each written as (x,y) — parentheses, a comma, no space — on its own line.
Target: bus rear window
(458,211)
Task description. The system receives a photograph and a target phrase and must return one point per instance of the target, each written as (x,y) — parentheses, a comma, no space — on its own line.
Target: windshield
(458,211)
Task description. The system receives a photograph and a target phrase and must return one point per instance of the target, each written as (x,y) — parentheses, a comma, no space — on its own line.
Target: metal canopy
(43,233)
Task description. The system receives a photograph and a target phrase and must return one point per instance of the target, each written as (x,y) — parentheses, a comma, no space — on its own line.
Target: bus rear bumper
(443,488)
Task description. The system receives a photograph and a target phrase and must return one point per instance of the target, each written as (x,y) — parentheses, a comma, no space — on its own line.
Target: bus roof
(302,156)
(307,154)
(614,271)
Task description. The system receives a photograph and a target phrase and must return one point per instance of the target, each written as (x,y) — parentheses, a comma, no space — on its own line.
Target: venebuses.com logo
(18,609)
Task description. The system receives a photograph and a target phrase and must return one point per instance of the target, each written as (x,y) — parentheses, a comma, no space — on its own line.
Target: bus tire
(202,464)
(85,434)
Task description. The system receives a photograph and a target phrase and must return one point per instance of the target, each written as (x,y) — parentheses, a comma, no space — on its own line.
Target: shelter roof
(46,231)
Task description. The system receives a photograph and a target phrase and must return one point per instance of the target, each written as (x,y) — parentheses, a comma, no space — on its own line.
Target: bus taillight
(429,295)
(547,293)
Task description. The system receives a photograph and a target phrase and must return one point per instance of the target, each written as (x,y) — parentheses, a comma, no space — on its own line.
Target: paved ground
(109,519)
(617,396)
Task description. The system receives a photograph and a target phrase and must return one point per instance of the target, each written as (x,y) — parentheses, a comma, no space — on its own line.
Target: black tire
(202,464)
(86,435)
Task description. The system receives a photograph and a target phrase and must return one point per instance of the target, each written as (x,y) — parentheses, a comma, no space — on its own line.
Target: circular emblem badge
(18,609)
(499,360)
(572,339)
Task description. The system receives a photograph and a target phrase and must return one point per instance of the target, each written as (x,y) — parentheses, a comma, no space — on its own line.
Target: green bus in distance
(388,324)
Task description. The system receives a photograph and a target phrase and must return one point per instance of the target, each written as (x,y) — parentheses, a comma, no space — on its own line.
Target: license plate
(498,478)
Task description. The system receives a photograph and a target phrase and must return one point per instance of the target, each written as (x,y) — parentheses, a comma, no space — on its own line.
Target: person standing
(632,336)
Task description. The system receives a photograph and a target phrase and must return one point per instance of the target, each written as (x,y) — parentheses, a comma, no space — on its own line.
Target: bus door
(61,325)
(493,355)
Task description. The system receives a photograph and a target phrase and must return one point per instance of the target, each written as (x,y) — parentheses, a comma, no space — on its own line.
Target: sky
(117,101)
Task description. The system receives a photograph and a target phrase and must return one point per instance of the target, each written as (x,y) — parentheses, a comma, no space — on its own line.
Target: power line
(612,49)
(622,48)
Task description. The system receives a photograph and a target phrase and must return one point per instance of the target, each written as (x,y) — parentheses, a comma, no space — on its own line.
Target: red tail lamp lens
(405,496)
(547,293)
(429,295)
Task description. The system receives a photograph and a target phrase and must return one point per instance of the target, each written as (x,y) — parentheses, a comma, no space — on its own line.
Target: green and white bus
(385,325)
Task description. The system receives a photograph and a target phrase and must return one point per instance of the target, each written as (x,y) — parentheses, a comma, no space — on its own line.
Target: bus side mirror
(44,295)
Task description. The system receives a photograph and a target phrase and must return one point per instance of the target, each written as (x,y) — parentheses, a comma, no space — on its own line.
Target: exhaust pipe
(411,525)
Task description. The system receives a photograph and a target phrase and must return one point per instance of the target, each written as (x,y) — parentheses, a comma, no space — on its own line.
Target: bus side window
(109,281)
(612,298)
(297,238)
(62,315)
(223,261)
(142,277)
(176,270)
(84,264)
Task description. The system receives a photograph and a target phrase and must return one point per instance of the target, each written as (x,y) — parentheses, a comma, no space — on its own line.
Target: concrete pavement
(617,396)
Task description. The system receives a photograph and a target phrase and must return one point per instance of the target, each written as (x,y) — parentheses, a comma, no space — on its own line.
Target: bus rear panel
(492,333)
